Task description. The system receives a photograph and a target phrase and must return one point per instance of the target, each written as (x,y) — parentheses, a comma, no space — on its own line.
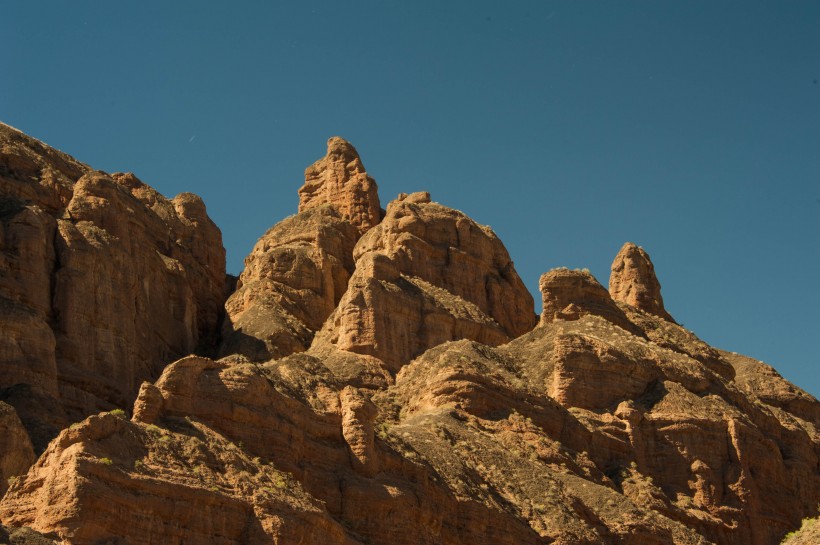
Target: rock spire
(340,180)
(633,281)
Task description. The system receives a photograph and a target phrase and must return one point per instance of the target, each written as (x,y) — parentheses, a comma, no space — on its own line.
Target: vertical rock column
(633,281)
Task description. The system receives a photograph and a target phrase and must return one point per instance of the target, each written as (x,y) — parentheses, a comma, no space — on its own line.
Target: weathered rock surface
(762,383)
(110,479)
(340,180)
(427,409)
(427,274)
(358,415)
(633,281)
(293,279)
(576,432)
(16,452)
(569,294)
(103,282)
(585,399)
(296,274)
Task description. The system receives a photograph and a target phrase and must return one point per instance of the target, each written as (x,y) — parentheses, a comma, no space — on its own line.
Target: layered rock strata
(425,275)
(428,409)
(633,281)
(340,180)
(105,282)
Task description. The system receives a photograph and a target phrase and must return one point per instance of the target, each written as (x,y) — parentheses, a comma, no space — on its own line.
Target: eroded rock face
(358,415)
(293,279)
(660,429)
(633,281)
(426,392)
(340,180)
(298,271)
(569,294)
(109,281)
(109,478)
(425,275)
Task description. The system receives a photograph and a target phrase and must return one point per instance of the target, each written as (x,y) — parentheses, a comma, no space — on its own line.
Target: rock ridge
(382,378)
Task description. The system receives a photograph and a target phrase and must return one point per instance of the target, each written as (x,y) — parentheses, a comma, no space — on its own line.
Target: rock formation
(569,294)
(339,180)
(298,271)
(105,282)
(383,380)
(425,275)
(633,281)
(293,279)
(16,451)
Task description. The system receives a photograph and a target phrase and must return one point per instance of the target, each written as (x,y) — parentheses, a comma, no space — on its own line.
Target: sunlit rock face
(633,281)
(383,379)
(105,281)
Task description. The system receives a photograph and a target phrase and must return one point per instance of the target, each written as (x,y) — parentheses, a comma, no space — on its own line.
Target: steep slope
(103,282)
(808,534)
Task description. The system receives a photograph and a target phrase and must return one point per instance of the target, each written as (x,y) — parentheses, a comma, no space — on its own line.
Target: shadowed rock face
(633,281)
(16,452)
(22,536)
(429,408)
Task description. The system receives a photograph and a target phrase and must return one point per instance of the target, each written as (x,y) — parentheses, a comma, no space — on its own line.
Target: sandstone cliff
(425,275)
(104,281)
(384,379)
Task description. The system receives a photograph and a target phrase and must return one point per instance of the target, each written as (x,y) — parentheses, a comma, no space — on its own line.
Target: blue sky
(689,128)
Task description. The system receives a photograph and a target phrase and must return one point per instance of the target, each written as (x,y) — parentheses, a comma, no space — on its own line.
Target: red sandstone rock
(633,281)
(358,414)
(293,279)
(569,294)
(109,281)
(340,180)
(608,423)
(425,275)
(112,480)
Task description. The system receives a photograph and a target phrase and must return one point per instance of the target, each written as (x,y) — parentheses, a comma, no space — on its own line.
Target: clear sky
(689,128)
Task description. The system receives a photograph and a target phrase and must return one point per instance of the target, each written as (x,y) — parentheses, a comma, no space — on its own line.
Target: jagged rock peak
(340,180)
(633,281)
